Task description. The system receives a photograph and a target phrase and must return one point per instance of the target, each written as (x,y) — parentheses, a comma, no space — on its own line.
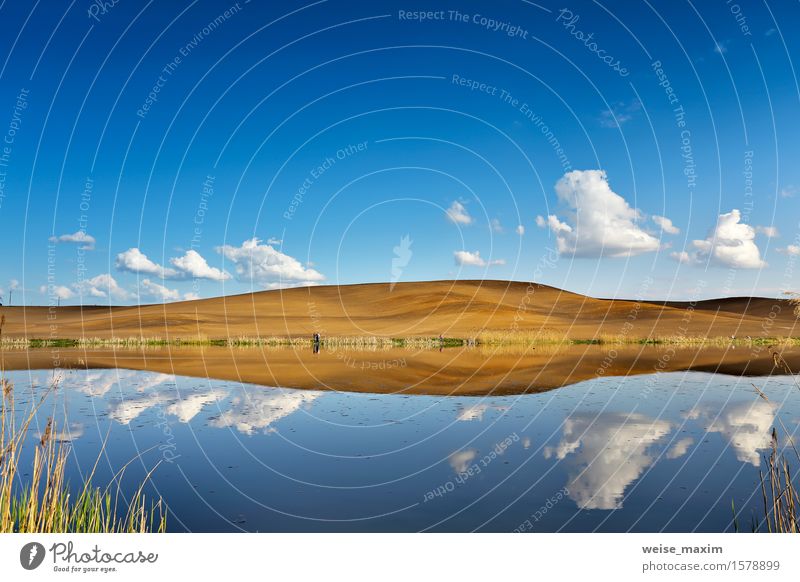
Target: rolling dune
(450,308)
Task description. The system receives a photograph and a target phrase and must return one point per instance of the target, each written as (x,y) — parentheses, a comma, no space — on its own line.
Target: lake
(672,451)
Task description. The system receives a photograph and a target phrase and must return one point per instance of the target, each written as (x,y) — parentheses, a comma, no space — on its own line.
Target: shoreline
(383,342)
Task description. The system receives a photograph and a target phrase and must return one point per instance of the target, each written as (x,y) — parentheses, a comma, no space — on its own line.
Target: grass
(780,493)
(37,497)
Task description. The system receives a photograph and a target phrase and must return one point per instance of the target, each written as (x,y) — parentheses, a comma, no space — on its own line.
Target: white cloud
(13,285)
(520,230)
(788,192)
(497,226)
(57,291)
(721,46)
(730,244)
(603,223)
(267,266)
(466,258)
(458,214)
(79,237)
(790,250)
(274,241)
(135,261)
(681,257)
(159,292)
(192,264)
(768,231)
(665,224)
(101,286)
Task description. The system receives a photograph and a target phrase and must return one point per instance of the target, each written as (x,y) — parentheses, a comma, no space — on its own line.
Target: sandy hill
(449,308)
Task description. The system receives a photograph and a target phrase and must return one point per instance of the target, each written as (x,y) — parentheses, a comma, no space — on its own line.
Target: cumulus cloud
(101,286)
(267,266)
(603,223)
(57,291)
(466,258)
(768,231)
(135,261)
(159,292)
(497,226)
(730,244)
(458,214)
(79,237)
(790,250)
(681,257)
(665,224)
(520,230)
(192,264)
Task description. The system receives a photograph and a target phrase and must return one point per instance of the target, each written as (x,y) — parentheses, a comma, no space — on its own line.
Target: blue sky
(163,151)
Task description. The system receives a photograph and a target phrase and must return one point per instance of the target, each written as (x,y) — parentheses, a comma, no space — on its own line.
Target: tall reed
(35,495)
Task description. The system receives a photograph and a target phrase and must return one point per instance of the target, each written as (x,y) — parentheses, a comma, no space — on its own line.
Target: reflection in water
(679,448)
(389,452)
(99,382)
(246,410)
(605,453)
(746,425)
(477,411)
(257,409)
(460,461)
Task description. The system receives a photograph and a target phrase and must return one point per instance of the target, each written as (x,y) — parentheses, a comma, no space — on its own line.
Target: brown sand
(451,308)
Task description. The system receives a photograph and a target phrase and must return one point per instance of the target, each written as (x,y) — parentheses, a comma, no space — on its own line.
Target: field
(489,312)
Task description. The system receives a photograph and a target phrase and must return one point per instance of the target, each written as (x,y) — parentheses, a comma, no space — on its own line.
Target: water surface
(659,452)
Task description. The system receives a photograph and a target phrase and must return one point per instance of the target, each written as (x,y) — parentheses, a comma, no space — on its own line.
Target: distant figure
(316,343)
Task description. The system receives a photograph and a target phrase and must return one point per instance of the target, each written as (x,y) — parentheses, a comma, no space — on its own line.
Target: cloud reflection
(259,408)
(605,453)
(747,426)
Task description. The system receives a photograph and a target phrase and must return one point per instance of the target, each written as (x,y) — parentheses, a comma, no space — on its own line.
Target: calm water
(648,453)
